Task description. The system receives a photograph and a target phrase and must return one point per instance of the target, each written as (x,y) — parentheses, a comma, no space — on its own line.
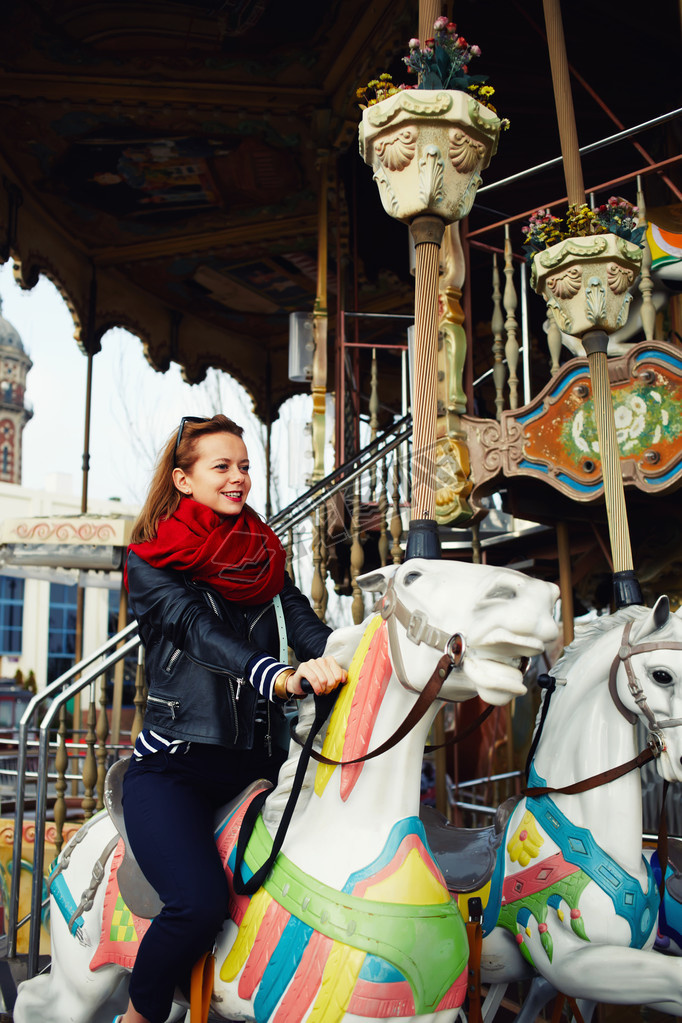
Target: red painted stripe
(455,995)
(382,1001)
(536,878)
(305,984)
(265,943)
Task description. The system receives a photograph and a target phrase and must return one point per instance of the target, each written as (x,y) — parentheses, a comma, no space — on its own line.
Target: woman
(216,611)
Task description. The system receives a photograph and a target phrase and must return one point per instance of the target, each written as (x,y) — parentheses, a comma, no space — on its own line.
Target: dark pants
(169,802)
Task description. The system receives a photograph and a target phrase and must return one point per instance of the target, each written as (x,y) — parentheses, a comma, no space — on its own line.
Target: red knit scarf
(239,557)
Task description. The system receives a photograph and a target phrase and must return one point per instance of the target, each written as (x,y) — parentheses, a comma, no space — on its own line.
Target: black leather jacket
(197,646)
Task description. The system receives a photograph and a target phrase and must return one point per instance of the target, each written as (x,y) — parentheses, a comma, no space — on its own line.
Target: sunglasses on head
(185,419)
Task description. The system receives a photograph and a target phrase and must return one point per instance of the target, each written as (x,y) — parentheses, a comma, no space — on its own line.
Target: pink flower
(451,27)
(429,43)
(476,50)
(440,23)
(462,42)
(413,44)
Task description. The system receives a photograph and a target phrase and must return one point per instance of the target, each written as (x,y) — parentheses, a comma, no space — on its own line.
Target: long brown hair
(164,497)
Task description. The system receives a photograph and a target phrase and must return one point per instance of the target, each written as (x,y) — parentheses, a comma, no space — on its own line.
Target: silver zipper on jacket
(172,659)
(167,703)
(258,617)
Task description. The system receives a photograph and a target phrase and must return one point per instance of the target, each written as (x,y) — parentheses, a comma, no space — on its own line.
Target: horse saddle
(138,893)
(466,856)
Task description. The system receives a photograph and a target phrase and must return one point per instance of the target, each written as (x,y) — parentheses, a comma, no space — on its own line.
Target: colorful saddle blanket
(122,930)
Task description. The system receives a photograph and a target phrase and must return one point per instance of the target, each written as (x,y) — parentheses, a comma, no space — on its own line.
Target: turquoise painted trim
(675,471)
(536,466)
(379,971)
(64,899)
(649,355)
(583,488)
(491,912)
(578,846)
(581,371)
(281,967)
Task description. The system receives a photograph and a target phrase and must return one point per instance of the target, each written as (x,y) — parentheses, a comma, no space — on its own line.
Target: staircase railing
(61,690)
(342,477)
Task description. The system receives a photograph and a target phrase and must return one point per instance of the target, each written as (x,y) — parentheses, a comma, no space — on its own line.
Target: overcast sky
(134,408)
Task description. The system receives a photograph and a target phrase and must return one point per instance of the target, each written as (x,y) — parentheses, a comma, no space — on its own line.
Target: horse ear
(376,582)
(656,619)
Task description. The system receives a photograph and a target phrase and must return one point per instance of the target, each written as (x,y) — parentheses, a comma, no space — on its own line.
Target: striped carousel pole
(626,589)
(422,539)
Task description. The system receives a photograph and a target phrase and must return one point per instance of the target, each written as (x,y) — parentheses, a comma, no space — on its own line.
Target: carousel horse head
(489,620)
(645,682)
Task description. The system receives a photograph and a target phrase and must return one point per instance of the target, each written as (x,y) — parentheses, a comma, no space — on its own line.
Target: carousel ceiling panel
(161,157)
(165,158)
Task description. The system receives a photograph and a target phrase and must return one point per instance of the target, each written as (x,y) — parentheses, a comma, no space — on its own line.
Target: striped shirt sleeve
(149,741)
(262,671)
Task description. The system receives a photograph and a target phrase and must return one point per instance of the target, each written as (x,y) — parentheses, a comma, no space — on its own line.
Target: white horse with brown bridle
(571,897)
(354,920)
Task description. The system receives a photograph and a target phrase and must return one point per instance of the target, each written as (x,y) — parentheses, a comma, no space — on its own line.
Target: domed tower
(14,365)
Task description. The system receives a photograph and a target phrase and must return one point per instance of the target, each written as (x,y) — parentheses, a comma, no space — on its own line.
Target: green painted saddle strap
(428,944)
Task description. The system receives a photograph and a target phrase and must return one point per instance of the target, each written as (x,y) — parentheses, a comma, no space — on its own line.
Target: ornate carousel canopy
(161,161)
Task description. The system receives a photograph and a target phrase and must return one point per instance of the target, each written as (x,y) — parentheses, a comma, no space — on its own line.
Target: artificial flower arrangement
(442,63)
(617,216)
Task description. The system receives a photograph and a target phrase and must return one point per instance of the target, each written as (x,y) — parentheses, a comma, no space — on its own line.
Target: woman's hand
(323,673)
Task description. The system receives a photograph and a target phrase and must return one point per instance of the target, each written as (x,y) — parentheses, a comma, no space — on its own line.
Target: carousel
(482,505)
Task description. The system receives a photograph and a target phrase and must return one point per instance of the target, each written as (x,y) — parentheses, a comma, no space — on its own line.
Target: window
(61,640)
(11,614)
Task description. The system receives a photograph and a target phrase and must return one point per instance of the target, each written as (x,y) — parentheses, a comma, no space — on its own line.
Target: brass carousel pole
(595,342)
(422,540)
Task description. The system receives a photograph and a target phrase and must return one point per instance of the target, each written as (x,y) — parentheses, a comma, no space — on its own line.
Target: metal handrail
(41,792)
(342,477)
(22,750)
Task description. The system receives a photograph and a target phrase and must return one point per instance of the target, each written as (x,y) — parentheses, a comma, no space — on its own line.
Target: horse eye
(411,577)
(663,677)
(501,593)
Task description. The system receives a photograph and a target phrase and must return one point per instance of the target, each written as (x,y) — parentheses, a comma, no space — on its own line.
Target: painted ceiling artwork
(163,164)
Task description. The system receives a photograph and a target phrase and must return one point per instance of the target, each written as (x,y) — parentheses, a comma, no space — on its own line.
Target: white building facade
(38,602)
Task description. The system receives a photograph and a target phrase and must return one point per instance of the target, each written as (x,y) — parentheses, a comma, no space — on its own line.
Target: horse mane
(589,631)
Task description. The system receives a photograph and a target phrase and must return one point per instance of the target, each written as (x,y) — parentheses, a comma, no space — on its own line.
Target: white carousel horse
(571,897)
(354,921)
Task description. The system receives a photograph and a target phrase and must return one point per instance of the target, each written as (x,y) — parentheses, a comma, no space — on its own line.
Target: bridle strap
(415,623)
(625,652)
(417,630)
(597,779)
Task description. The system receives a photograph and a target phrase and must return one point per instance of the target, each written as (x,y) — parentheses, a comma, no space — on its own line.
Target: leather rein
(418,630)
